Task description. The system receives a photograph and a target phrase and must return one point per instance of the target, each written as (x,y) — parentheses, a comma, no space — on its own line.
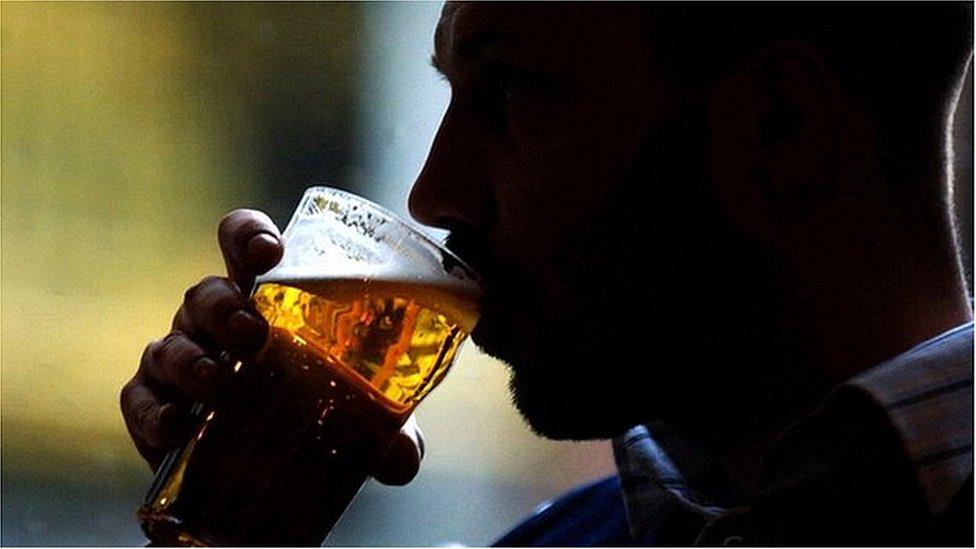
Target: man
(719,234)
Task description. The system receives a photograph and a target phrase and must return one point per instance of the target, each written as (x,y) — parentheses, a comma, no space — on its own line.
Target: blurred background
(128,130)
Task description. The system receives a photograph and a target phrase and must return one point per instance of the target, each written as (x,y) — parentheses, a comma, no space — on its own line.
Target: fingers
(180,369)
(401,461)
(155,426)
(216,314)
(251,245)
(173,372)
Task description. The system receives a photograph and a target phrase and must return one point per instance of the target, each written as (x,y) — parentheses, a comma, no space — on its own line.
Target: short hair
(901,62)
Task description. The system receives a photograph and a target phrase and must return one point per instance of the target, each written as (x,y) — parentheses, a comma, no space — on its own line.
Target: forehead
(557,33)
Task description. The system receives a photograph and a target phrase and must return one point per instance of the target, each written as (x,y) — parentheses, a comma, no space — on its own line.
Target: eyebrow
(471,48)
(438,65)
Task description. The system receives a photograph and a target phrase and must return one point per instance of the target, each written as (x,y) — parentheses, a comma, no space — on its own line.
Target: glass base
(166,531)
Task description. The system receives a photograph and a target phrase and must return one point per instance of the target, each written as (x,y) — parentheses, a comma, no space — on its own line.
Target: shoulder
(589,515)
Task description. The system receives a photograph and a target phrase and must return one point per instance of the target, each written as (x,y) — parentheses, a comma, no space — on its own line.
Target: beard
(600,355)
(663,310)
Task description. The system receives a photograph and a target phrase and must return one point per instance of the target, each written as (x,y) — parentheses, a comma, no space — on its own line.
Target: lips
(486,332)
(472,249)
(500,331)
(507,294)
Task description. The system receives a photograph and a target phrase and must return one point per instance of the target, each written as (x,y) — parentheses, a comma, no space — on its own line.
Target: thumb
(251,245)
(401,460)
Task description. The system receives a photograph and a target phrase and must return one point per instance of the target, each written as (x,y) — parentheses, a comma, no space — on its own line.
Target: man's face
(569,172)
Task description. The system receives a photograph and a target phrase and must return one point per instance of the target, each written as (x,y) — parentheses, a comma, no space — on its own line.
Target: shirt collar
(926,393)
(658,493)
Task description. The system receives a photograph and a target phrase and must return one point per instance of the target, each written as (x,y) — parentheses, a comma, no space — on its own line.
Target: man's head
(648,190)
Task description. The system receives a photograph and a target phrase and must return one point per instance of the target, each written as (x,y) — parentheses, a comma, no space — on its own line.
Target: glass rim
(412,228)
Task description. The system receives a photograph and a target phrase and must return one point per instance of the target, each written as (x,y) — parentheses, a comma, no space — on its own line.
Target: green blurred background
(128,130)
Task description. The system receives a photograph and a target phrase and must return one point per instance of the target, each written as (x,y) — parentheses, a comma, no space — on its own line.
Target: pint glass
(365,316)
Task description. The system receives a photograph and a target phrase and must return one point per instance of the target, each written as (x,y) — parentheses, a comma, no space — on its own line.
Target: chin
(549,409)
(564,396)
(560,415)
(566,379)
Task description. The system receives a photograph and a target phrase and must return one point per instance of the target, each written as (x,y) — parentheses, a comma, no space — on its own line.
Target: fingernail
(400,463)
(170,417)
(205,370)
(245,324)
(421,445)
(261,245)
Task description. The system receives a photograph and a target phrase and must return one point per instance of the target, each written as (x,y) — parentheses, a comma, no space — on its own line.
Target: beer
(281,453)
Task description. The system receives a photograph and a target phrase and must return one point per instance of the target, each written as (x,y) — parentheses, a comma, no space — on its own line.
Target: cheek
(555,180)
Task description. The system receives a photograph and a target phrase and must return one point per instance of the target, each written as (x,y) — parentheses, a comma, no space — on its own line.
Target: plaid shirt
(837,477)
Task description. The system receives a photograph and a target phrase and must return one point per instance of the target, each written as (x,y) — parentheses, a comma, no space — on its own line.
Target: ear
(772,129)
(797,124)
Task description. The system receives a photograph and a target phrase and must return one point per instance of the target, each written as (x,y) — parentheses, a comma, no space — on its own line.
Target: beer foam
(336,235)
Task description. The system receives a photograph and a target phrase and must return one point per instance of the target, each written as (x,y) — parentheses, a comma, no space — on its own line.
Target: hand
(183,367)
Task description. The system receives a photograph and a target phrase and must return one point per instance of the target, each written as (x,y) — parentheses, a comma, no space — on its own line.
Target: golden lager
(283,450)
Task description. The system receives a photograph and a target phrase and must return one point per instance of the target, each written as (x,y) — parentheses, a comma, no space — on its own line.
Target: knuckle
(163,348)
(142,416)
(161,351)
(197,291)
(147,352)
(136,411)
(190,295)
(154,353)
(125,396)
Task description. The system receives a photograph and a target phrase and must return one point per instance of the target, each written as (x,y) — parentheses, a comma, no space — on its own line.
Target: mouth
(498,332)
(471,249)
(506,298)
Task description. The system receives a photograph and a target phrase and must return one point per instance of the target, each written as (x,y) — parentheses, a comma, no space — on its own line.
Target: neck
(858,323)
(856,290)
(873,279)
(870,286)
(862,321)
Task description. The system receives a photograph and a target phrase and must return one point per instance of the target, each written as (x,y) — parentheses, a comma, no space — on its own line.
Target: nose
(453,190)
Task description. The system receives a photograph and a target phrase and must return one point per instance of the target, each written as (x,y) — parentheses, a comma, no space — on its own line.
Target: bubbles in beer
(387,332)
(282,453)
